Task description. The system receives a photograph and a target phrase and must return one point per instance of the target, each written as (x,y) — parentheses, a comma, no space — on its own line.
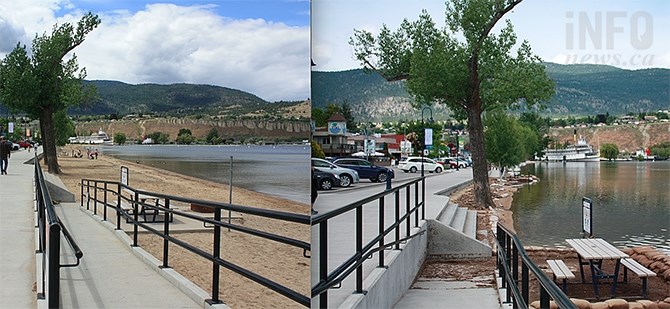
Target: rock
(581,303)
(648,304)
(635,305)
(663,305)
(617,303)
(600,305)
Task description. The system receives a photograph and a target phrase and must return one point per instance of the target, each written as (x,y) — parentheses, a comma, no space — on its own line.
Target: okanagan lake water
(631,203)
(281,170)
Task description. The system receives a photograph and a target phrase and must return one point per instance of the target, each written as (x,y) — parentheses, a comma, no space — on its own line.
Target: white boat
(99,138)
(581,152)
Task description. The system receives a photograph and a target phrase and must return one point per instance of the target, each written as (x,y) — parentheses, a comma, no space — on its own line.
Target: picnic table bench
(639,270)
(561,271)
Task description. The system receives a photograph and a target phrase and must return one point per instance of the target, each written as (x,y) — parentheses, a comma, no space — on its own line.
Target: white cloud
(166,43)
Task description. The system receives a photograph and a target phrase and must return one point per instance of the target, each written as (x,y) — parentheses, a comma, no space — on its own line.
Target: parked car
(347,175)
(326,180)
(15,146)
(453,163)
(413,164)
(366,169)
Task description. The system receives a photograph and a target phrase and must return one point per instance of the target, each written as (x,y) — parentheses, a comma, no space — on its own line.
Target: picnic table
(592,252)
(144,211)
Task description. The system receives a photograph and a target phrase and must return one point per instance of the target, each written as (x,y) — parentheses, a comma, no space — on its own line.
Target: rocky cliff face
(627,137)
(263,129)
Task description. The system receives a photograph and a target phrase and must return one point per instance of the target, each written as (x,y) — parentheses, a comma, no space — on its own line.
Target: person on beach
(5,154)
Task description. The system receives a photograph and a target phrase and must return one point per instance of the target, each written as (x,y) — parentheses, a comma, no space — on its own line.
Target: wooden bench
(561,271)
(639,270)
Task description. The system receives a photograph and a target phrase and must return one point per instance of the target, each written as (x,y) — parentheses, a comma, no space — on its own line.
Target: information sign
(587,217)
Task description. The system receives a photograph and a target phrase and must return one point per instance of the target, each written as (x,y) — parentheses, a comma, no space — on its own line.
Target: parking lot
(400,176)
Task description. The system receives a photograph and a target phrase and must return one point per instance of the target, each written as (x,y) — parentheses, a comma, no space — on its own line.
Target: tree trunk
(49,141)
(42,137)
(480,171)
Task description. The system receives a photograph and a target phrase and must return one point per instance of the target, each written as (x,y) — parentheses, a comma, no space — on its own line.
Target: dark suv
(366,169)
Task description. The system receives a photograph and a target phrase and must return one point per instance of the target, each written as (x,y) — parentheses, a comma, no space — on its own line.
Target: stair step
(448,214)
(470,228)
(458,223)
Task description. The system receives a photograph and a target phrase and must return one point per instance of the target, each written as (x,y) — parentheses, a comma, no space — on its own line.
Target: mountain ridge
(581,89)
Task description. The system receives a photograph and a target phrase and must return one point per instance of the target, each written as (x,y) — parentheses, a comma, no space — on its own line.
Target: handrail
(375,245)
(89,193)
(50,227)
(508,242)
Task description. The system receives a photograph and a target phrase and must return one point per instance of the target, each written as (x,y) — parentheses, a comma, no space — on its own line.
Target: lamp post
(430,120)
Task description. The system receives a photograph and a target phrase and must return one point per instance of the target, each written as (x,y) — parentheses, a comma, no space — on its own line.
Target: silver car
(347,175)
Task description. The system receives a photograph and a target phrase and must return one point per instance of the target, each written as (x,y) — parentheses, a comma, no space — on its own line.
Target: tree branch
(498,15)
(387,78)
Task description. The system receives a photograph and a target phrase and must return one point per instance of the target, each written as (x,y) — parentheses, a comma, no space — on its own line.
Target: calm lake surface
(277,170)
(631,203)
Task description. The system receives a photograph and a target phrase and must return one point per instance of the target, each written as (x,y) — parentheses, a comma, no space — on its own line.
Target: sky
(630,34)
(258,46)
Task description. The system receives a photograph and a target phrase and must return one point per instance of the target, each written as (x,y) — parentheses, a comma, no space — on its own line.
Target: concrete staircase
(453,234)
(460,219)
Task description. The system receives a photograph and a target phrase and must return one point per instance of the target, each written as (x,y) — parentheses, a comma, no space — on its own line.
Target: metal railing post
(397,219)
(323,261)
(408,220)
(381,231)
(416,205)
(104,209)
(95,197)
(359,248)
(166,228)
(217,255)
(423,199)
(135,217)
(118,206)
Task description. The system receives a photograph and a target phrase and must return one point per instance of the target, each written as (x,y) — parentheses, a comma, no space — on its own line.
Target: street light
(430,120)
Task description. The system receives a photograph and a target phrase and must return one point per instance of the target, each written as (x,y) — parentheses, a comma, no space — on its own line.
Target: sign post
(587,217)
(124,175)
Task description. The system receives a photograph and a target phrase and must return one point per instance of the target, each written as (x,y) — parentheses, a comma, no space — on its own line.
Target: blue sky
(258,46)
(544,23)
(290,12)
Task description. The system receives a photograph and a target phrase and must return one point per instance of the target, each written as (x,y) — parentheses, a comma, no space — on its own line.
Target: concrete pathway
(111,273)
(341,241)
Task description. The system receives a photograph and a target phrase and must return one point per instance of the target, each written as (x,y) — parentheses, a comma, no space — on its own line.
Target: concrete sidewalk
(111,274)
(341,241)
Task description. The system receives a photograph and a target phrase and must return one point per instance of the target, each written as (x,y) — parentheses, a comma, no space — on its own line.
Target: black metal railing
(110,195)
(413,209)
(510,253)
(50,229)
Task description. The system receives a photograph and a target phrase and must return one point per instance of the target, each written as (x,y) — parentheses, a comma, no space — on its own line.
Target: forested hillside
(581,89)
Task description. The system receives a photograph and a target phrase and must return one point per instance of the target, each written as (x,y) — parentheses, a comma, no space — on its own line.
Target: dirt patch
(502,192)
(280,263)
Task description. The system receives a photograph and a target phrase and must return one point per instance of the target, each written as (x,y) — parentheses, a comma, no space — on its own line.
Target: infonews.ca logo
(606,33)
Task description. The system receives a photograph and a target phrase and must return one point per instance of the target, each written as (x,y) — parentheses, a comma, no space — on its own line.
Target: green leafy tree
(41,83)
(159,137)
(186,139)
(119,138)
(213,137)
(470,75)
(63,127)
(317,152)
(183,131)
(661,150)
(609,151)
(319,117)
(504,140)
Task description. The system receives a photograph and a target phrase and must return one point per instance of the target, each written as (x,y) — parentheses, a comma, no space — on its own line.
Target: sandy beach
(285,265)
